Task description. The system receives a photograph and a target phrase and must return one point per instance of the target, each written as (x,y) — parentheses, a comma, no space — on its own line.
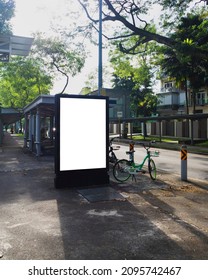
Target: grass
(20,135)
(204,144)
(167,140)
(157,139)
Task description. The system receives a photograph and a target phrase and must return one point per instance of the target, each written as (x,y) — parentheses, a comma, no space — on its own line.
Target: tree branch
(143,33)
(62,72)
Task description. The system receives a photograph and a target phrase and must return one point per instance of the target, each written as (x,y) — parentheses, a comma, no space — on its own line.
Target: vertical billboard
(81,156)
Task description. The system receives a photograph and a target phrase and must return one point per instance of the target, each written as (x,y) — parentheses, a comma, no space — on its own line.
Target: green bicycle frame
(138,166)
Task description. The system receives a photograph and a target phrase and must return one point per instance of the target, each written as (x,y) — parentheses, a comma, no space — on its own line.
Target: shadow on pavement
(40,222)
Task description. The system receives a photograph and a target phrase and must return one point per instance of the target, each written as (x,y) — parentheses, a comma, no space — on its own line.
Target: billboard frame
(79,177)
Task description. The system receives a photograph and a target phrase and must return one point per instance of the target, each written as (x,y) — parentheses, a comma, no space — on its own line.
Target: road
(170,161)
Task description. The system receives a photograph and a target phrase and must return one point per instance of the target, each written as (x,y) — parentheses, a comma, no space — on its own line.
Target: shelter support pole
(25,131)
(37,134)
(30,131)
(51,128)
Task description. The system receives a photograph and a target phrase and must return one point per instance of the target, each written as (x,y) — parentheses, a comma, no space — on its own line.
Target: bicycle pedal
(143,171)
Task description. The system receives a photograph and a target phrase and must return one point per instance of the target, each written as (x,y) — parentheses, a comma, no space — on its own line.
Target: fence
(192,127)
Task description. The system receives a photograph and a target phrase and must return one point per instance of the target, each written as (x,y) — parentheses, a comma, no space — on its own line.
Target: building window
(168,85)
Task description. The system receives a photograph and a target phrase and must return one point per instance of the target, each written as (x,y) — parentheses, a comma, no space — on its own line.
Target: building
(173,99)
(173,102)
(119,107)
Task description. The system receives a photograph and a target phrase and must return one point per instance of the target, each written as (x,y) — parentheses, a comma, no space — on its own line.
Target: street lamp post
(100,66)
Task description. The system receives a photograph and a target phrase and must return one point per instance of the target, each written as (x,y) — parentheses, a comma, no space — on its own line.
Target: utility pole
(100,58)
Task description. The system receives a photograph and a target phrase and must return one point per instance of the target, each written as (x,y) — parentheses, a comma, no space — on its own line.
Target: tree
(7,8)
(22,80)
(56,55)
(133,17)
(192,30)
(135,75)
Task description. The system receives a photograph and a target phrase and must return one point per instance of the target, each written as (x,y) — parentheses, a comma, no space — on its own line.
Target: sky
(38,15)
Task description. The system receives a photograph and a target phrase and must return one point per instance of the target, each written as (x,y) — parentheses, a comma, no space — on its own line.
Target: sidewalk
(162,219)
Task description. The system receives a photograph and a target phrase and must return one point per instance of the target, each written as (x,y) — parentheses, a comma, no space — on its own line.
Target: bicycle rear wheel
(120,170)
(152,169)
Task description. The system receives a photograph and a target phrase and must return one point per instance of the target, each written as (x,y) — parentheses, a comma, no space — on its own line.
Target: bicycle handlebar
(112,139)
(146,146)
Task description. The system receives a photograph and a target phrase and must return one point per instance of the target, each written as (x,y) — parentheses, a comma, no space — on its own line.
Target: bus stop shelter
(8,116)
(12,45)
(39,123)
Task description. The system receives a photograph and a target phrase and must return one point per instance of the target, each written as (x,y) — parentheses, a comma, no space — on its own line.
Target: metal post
(131,150)
(26,131)
(30,131)
(100,59)
(37,134)
(119,127)
(184,163)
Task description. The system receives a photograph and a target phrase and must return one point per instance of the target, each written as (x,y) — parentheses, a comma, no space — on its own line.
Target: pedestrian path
(13,158)
(12,140)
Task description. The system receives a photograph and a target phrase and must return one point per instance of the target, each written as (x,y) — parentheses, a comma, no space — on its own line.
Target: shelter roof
(10,115)
(14,45)
(45,102)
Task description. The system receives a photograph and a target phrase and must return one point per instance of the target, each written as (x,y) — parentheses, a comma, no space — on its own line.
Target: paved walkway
(14,158)
(162,219)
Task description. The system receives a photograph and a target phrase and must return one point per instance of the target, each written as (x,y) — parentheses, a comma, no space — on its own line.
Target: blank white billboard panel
(82,133)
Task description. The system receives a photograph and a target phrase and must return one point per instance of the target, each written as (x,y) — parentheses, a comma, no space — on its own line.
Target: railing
(169,106)
(169,89)
(199,102)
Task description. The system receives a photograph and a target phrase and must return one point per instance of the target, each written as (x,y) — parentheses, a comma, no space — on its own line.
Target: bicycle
(123,169)
(112,156)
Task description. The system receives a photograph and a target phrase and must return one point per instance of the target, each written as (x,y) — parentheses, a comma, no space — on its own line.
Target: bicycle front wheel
(152,169)
(120,170)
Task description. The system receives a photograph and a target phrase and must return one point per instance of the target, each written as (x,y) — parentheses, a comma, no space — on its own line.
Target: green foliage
(7,8)
(135,76)
(180,63)
(56,55)
(85,90)
(134,19)
(22,80)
